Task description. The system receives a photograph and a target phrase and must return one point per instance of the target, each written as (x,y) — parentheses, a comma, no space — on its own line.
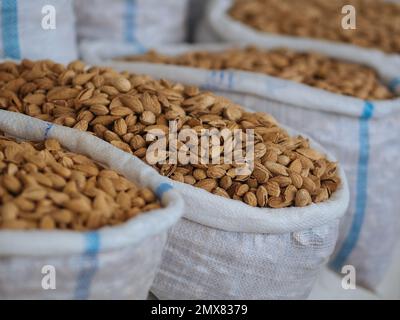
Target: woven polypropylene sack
(40,29)
(363,135)
(224,249)
(138,22)
(201,262)
(111,263)
(227,29)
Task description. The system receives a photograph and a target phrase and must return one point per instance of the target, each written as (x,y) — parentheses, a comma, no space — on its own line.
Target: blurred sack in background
(139,22)
(196,14)
(268,21)
(38,29)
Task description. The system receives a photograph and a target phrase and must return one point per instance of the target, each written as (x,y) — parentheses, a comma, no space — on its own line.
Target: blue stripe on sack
(219,80)
(226,75)
(230,80)
(221,76)
(90,265)
(208,85)
(394,84)
(162,188)
(47,130)
(130,25)
(9,26)
(214,75)
(361,196)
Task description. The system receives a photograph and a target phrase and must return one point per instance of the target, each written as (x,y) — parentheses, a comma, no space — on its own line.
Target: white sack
(225,249)
(363,136)
(112,263)
(139,22)
(228,29)
(22,34)
(228,246)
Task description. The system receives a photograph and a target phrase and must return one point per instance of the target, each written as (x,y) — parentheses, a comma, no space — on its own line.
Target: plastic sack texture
(225,249)
(363,135)
(111,263)
(40,29)
(139,22)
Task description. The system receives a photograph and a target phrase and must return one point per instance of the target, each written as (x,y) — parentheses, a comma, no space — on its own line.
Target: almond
(129,111)
(315,70)
(262,196)
(66,193)
(250,199)
(121,84)
(303,198)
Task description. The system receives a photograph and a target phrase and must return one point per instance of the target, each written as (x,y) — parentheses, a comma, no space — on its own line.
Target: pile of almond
(122,108)
(377,21)
(44,186)
(313,69)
